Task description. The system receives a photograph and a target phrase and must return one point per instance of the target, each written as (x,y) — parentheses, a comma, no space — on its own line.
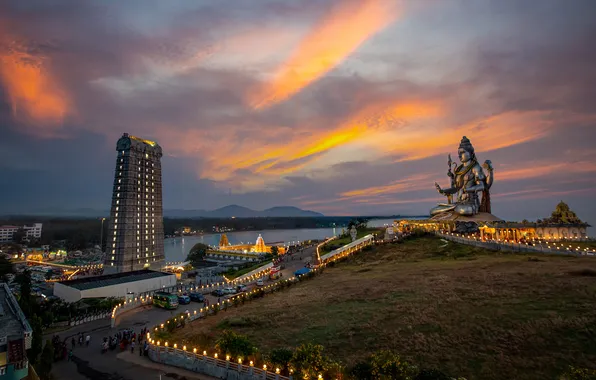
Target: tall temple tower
(135,232)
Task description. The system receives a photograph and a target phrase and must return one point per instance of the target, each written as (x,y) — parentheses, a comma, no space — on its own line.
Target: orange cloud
(543,169)
(415,182)
(326,46)
(35,96)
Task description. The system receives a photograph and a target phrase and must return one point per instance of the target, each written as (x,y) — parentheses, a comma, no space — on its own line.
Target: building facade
(135,237)
(31,232)
(15,337)
(114,285)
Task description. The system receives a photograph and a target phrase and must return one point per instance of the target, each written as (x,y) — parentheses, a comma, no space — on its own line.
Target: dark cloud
(380,122)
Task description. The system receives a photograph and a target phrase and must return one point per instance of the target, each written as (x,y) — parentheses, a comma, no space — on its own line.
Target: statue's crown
(466,144)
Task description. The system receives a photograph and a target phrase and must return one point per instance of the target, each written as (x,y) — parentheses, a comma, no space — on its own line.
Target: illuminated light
(227,357)
(194,350)
(166,344)
(239,360)
(265,367)
(251,363)
(215,355)
(277,370)
(158,342)
(205,353)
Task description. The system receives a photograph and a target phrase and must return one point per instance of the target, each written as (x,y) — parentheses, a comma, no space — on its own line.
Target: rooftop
(113,279)
(148,142)
(12,319)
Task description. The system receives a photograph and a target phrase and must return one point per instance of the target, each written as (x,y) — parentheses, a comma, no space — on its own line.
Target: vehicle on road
(218,293)
(197,297)
(260,282)
(302,271)
(183,300)
(229,291)
(165,300)
(241,288)
(275,273)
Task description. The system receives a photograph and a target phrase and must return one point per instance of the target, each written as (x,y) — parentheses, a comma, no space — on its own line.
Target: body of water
(176,249)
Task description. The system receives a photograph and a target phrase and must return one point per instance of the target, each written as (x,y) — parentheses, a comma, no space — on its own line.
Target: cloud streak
(335,37)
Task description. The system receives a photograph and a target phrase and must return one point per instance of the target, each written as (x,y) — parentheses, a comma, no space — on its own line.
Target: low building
(15,337)
(113,285)
(31,232)
(258,247)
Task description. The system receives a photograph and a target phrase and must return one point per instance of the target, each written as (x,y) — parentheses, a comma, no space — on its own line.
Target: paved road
(90,363)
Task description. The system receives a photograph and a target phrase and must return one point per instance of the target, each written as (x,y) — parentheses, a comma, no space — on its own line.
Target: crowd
(126,339)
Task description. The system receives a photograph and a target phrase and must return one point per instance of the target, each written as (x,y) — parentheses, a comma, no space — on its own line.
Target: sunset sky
(338,106)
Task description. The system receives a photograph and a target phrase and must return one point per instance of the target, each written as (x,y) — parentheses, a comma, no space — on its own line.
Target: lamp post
(101,235)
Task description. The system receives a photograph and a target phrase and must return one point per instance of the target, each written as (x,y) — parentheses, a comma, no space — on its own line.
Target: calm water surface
(176,249)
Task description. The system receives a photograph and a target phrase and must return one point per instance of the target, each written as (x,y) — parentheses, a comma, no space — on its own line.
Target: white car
(260,282)
(229,291)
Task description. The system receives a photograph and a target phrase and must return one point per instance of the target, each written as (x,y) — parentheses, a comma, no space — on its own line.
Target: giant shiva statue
(466,183)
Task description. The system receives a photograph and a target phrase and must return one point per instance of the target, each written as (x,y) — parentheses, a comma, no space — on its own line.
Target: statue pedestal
(452,216)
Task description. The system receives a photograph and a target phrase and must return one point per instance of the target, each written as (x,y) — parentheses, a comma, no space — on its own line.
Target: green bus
(165,300)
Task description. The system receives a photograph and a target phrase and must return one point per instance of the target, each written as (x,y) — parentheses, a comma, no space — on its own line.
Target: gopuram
(467,209)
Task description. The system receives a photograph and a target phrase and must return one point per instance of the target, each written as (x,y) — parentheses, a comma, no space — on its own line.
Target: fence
(129,305)
(87,318)
(509,246)
(199,362)
(349,248)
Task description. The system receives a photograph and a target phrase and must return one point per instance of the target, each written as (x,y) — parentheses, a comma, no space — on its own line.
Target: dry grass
(460,309)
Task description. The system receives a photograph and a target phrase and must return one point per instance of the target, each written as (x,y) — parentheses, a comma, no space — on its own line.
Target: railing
(194,360)
(498,245)
(349,248)
(84,319)
(129,305)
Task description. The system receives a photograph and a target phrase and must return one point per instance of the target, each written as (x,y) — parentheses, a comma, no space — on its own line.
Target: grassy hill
(461,309)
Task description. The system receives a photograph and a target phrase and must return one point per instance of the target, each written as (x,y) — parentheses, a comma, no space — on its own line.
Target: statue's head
(466,150)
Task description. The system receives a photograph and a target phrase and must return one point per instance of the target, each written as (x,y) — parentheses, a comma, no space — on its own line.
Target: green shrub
(574,373)
(235,345)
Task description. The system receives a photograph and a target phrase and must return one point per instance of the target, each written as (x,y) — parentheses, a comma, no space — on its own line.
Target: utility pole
(101,236)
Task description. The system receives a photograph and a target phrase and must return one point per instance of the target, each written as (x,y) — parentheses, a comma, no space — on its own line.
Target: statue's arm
(448,191)
(479,179)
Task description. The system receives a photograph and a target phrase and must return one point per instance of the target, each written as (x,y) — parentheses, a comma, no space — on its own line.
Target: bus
(165,300)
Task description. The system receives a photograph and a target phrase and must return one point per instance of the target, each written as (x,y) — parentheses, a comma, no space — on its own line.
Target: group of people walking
(127,339)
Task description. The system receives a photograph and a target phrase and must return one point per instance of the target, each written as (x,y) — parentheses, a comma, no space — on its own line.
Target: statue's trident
(450,174)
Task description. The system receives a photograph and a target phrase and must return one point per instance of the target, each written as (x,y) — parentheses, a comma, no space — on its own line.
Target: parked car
(260,282)
(229,291)
(218,293)
(241,288)
(197,297)
(183,300)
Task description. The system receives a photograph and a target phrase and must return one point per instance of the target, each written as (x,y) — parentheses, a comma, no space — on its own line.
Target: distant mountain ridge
(223,212)
(244,212)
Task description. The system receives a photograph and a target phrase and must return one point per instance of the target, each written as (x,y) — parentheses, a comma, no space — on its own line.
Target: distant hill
(223,212)
(245,212)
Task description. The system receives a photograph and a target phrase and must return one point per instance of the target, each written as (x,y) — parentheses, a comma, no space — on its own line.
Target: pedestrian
(140,350)
(132,347)
(72,342)
(81,339)
(218,299)
(87,340)
(70,355)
